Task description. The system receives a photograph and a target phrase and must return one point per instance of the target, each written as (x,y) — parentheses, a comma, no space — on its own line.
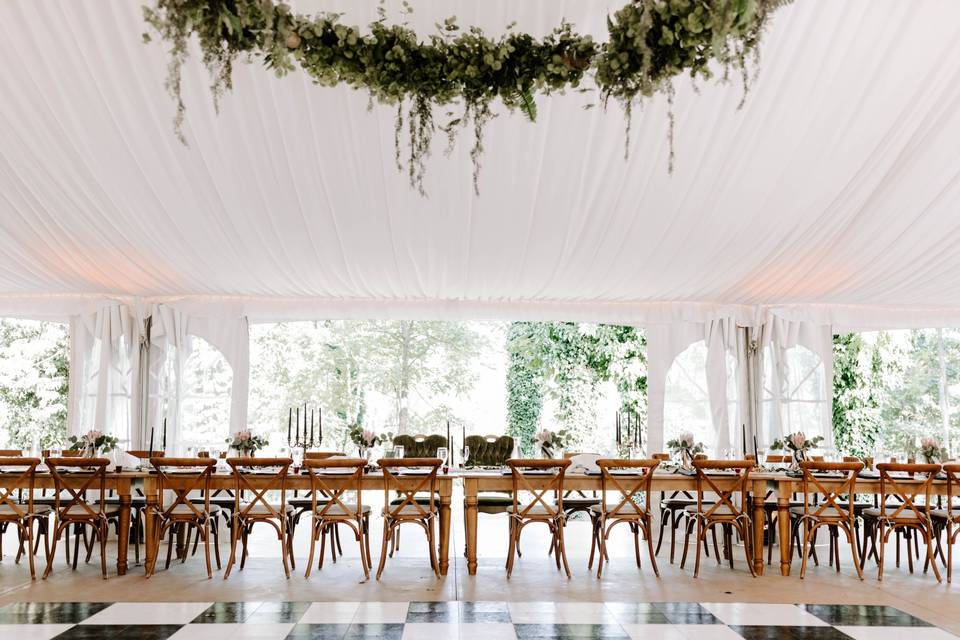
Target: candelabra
(307,440)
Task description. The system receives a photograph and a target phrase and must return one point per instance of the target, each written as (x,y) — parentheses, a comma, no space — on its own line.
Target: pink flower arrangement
(245,441)
(797,442)
(930,448)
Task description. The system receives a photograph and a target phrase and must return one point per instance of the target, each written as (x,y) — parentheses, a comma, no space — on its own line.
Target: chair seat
(537,511)
(305,503)
(942,514)
(830,513)
(723,511)
(493,499)
(185,510)
(623,512)
(109,510)
(338,510)
(904,516)
(419,499)
(579,503)
(409,511)
(260,510)
(677,503)
(7,512)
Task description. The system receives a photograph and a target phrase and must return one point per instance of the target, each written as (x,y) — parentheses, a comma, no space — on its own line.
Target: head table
(123,484)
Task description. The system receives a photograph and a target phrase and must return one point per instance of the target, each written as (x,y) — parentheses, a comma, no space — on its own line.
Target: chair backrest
(407,488)
(521,482)
(67,453)
(637,475)
(952,470)
(662,457)
(269,472)
(83,474)
(818,500)
(181,484)
(905,493)
(420,445)
(11,453)
(322,484)
(726,497)
(18,473)
(321,455)
(776,457)
(489,451)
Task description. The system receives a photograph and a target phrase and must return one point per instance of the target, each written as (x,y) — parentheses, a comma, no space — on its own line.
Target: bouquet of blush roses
(798,444)
(686,446)
(93,442)
(931,450)
(245,441)
(550,442)
(366,437)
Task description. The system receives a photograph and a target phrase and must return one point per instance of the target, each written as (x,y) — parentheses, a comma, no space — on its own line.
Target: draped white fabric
(834,190)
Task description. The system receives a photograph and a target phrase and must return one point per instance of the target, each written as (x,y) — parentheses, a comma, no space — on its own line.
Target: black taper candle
(320,426)
(755,450)
(298,425)
(617,428)
(636,429)
(290,427)
(164,442)
(449,448)
(311,427)
(150,455)
(743,427)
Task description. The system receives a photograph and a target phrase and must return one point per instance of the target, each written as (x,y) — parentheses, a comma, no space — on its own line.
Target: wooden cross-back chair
(906,513)
(336,507)
(19,474)
(138,503)
(303,504)
(271,473)
(834,508)
(630,481)
(725,512)
(408,508)
(184,511)
(41,510)
(948,519)
(539,509)
(672,510)
(72,479)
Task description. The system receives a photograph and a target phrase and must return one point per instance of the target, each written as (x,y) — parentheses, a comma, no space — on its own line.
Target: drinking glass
(466,455)
(442,453)
(297,455)
(761,457)
(398,451)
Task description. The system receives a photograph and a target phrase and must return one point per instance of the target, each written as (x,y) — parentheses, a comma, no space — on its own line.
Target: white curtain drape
(105,361)
(797,387)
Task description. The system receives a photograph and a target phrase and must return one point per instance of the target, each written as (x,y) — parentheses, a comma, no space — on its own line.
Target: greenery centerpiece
(92,443)
(798,445)
(686,447)
(245,443)
(649,43)
(550,443)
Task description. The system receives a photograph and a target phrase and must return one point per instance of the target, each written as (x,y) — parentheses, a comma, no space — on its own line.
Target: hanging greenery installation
(463,71)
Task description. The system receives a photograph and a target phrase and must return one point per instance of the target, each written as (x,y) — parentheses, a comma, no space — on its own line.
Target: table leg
(783,526)
(470,512)
(123,536)
(444,552)
(150,546)
(759,491)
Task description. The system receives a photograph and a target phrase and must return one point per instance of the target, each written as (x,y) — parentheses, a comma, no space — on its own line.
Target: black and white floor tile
(462,620)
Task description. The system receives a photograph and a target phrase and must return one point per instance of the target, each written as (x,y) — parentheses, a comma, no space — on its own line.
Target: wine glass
(297,455)
(761,457)
(442,453)
(398,451)
(466,455)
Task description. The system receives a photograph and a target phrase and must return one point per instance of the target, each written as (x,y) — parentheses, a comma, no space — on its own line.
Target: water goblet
(442,453)
(466,455)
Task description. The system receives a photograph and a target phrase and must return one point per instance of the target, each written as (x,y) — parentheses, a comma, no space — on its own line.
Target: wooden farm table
(121,484)
(784,487)
(475,482)
(301,482)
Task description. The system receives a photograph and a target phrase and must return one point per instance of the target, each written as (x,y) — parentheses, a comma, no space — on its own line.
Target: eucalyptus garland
(464,71)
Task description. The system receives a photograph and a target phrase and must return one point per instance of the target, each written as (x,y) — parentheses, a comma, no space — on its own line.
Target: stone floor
(540,601)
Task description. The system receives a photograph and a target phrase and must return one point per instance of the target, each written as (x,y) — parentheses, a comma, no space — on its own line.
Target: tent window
(793,397)
(686,402)
(207,380)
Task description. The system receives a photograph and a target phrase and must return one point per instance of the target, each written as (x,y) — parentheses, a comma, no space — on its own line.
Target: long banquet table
(777,485)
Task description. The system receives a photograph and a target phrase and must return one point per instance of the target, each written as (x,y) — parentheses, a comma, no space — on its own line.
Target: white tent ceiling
(837,184)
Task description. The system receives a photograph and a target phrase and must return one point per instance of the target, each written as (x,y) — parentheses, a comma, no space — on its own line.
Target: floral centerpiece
(549,443)
(93,442)
(366,439)
(798,445)
(686,446)
(246,443)
(931,450)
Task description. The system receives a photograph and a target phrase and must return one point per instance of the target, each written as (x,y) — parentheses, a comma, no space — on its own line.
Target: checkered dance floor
(464,620)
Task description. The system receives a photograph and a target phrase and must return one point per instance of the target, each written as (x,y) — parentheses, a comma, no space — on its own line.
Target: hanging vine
(650,42)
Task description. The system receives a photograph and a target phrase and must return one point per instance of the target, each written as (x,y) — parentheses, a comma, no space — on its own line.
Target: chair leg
(929,544)
(103,530)
(686,541)
(701,534)
(29,534)
(234,535)
(653,555)
(206,547)
(433,548)
(513,526)
(664,514)
(313,545)
(285,547)
(636,542)
(562,548)
(387,533)
(215,527)
(716,551)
